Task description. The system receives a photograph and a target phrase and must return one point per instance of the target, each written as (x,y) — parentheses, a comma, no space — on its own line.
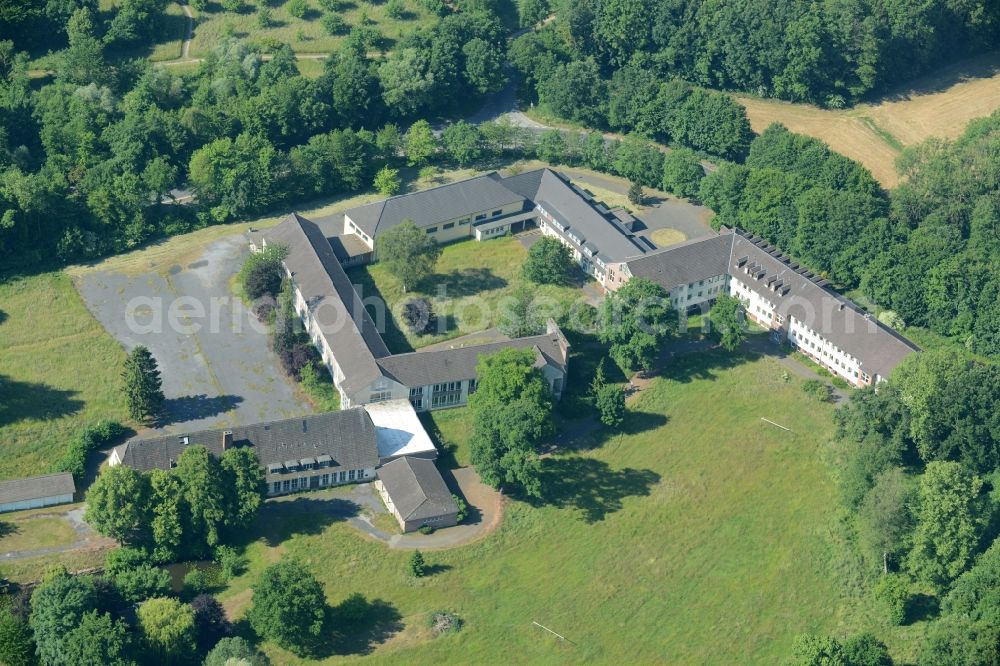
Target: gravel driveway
(216,363)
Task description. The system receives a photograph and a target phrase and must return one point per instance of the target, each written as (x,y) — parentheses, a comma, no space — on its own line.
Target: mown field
(59,371)
(940,104)
(701,535)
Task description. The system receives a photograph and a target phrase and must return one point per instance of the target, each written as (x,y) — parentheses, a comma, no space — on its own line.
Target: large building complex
(350,344)
(381,392)
(798,306)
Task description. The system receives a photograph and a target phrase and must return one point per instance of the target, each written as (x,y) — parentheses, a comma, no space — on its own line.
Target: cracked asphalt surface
(214,357)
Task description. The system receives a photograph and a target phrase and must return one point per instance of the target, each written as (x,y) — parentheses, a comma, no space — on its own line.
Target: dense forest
(830,53)
(86,156)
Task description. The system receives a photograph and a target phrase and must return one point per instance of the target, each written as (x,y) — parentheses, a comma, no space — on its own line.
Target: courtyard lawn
(470,281)
(59,371)
(700,535)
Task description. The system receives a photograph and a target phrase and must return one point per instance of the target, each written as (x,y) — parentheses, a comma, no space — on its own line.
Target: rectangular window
(497,213)
(418,403)
(480,217)
(277,487)
(472,386)
(350,475)
(431,230)
(449,225)
(286,485)
(343,477)
(464,221)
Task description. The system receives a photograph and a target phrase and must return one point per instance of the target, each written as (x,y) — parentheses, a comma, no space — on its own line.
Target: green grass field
(701,535)
(58,372)
(34,529)
(305,35)
(474,277)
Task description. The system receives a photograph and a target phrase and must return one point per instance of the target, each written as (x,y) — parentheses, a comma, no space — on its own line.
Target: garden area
(470,281)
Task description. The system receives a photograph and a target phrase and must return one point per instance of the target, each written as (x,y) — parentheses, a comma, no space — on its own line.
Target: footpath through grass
(701,535)
(59,371)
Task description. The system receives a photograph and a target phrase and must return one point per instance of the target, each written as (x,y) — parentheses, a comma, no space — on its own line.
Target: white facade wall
(700,291)
(588,264)
(319,341)
(757,307)
(446,231)
(36,503)
(325,477)
(826,353)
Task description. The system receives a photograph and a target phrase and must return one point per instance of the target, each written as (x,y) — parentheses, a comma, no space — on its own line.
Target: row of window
(318,481)
(464,221)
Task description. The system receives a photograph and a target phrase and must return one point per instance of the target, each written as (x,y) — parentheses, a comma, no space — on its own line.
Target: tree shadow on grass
(591,487)
(462,282)
(435,569)
(357,627)
(20,401)
(3,317)
(279,520)
(703,364)
(194,407)
(921,607)
(6,529)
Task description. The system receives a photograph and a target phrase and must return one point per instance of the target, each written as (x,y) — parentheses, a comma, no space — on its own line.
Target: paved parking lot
(217,366)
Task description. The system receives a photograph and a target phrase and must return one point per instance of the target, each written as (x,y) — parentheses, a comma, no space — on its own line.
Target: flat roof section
(398,431)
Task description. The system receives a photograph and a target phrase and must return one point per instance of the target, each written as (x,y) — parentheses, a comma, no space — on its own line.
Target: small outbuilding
(36,491)
(415,493)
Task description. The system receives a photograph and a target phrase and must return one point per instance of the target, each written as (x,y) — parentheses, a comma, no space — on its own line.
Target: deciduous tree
(408,252)
(118,504)
(548,262)
(289,606)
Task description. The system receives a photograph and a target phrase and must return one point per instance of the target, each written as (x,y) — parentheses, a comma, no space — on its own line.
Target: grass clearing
(699,535)
(471,280)
(668,237)
(59,371)
(306,35)
(34,532)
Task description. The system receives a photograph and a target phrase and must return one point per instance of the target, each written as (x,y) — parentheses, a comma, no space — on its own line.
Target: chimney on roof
(227,440)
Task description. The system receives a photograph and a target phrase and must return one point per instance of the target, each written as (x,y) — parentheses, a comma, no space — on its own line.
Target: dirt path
(186,44)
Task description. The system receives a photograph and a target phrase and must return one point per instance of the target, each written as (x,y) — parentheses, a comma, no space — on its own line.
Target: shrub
(334,24)
(297,8)
(893,590)
(263,279)
(90,439)
(418,315)
(297,357)
(265,18)
(816,389)
(331,5)
(395,9)
(443,622)
(416,564)
(230,561)
(262,272)
(822,372)
(840,382)
(463,509)
(426,529)
(229,651)
(196,580)
(264,308)
(232,5)
(611,405)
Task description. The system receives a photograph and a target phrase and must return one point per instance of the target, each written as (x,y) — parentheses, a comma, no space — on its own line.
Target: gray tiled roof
(428,207)
(558,198)
(837,319)
(332,299)
(416,488)
(347,436)
(423,368)
(36,487)
(686,262)
(878,348)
